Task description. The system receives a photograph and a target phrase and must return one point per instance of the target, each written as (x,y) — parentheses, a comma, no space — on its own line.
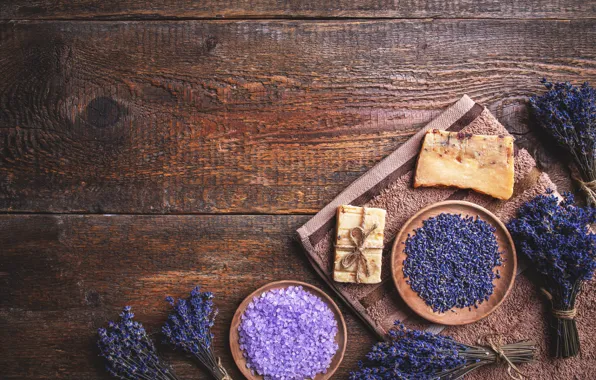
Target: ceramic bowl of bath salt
(500,276)
(288,328)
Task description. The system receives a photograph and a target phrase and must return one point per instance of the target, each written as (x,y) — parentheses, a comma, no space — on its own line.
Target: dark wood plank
(62,277)
(144,9)
(251,116)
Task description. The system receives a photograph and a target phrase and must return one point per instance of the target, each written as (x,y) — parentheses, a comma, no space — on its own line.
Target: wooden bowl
(341,337)
(502,286)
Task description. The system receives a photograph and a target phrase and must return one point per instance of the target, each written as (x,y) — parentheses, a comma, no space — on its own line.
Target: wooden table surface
(146,147)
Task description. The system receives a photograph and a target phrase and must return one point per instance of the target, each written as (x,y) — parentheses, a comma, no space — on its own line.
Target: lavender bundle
(555,236)
(568,115)
(188,328)
(418,355)
(129,352)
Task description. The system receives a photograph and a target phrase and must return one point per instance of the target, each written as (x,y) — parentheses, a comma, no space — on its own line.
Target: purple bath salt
(288,334)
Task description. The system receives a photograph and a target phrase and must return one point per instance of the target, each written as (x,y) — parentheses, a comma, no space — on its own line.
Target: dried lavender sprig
(568,114)
(129,352)
(188,328)
(417,355)
(555,236)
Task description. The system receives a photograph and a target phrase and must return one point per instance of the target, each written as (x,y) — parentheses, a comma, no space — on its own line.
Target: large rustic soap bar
(478,162)
(366,227)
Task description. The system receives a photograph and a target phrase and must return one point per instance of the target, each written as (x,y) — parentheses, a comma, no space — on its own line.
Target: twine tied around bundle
(559,314)
(495,343)
(588,188)
(359,246)
(223,370)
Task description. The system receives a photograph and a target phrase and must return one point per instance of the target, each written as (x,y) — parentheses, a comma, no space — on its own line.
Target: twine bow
(495,342)
(559,314)
(357,255)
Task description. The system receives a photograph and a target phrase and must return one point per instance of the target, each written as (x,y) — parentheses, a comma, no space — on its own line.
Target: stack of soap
(478,162)
(361,219)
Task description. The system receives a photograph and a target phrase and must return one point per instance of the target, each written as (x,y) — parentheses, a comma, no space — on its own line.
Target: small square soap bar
(360,222)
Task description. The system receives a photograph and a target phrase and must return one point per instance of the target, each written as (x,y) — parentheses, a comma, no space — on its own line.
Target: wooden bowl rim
(341,327)
(432,316)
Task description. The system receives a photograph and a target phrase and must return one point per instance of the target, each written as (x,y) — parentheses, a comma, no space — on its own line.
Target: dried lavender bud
(417,355)
(555,236)
(288,334)
(129,352)
(410,354)
(188,328)
(568,114)
(450,261)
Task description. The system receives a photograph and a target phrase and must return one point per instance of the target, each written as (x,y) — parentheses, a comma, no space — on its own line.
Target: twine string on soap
(559,314)
(495,342)
(357,255)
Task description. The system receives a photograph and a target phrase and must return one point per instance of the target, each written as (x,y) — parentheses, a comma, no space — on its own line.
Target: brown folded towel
(389,185)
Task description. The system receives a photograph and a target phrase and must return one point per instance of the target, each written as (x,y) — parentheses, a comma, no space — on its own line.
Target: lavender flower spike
(554,235)
(568,114)
(129,352)
(188,328)
(417,355)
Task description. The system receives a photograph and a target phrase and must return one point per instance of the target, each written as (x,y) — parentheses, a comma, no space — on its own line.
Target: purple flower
(129,352)
(188,328)
(568,114)
(554,235)
(450,261)
(417,355)
(410,354)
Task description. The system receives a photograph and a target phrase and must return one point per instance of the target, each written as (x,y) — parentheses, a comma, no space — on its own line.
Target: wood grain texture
(62,277)
(144,9)
(247,116)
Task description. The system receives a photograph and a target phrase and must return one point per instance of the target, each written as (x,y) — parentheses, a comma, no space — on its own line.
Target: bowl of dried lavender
(288,330)
(454,262)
